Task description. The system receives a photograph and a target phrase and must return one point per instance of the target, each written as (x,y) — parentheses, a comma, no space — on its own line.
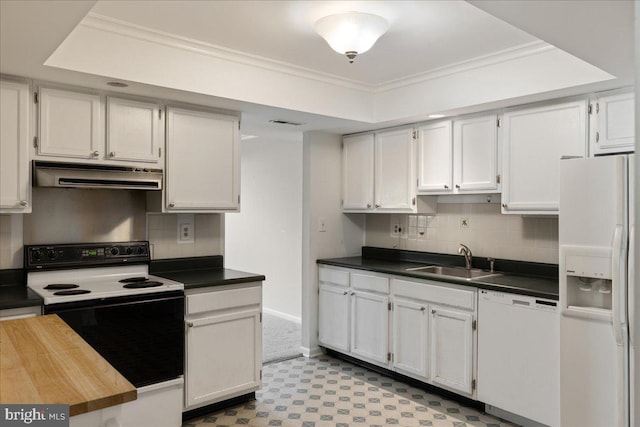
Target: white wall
(344,235)
(265,237)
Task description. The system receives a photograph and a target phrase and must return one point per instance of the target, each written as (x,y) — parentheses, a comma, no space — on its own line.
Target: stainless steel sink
(460,272)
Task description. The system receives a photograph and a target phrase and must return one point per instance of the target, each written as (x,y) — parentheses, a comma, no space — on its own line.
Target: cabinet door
(410,338)
(223,356)
(535,139)
(452,349)
(133,130)
(395,171)
(333,317)
(369,326)
(357,172)
(614,118)
(71,124)
(203,161)
(475,147)
(15,189)
(435,158)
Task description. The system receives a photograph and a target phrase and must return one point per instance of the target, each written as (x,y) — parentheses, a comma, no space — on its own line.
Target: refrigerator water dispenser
(585,277)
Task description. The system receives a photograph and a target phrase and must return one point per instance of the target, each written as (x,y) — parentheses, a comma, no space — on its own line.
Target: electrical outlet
(186,228)
(397,230)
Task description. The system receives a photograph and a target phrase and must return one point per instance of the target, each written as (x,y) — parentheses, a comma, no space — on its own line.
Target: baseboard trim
(214,407)
(311,352)
(411,381)
(282,315)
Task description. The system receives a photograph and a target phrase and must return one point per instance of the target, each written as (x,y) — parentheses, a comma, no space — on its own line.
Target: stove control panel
(85,254)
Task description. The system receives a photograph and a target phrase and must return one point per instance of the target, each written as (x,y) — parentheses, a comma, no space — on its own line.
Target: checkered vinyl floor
(328,392)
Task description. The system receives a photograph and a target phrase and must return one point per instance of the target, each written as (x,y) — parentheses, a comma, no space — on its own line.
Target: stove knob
(128,250)
(114,251)
(140,250)
(51,254)
(36,255)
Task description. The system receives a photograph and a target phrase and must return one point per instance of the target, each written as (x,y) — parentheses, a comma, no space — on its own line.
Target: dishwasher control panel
(522,301)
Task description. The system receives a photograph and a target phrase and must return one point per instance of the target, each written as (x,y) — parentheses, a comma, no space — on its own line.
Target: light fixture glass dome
(351,33)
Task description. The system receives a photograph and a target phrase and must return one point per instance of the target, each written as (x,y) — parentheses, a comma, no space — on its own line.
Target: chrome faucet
(464,249)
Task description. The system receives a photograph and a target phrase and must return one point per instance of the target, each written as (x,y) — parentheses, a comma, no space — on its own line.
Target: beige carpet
(280,338)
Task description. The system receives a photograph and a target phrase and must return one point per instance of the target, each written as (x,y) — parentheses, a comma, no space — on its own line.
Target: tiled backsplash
(162,232)
(488,233)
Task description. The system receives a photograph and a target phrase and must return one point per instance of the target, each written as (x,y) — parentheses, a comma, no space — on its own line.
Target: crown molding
(516,52)
(127,29)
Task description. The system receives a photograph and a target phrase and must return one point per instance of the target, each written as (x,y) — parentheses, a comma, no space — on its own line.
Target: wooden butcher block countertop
(42,360)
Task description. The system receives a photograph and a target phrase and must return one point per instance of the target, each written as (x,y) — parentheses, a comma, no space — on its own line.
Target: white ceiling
(263,58)
(423,35)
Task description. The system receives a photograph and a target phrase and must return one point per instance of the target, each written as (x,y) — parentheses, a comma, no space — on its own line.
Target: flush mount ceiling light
(351,33)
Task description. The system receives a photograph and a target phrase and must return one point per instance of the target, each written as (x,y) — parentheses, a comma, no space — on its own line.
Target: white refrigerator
(596,291)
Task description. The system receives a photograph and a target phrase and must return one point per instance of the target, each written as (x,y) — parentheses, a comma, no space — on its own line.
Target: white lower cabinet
(451,345)
(354,314)
(420,328)
(223,349)
(334,317)
(410,338)
(369,326)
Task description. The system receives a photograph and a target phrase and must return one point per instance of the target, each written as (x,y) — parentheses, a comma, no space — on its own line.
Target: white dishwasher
(519,356)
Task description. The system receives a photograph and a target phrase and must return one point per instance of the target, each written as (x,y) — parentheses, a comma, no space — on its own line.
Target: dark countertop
(200,272)
(533,279)
(14,292)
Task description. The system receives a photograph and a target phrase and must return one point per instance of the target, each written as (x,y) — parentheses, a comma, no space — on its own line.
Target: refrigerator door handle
(631,289)
(617,285)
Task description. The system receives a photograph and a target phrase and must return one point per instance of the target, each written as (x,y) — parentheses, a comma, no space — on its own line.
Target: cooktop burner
(72,292)
(134,279)
(58,286)
(148,284)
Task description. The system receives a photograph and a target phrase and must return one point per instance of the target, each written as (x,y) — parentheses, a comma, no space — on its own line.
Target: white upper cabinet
(71,125)
(379,172)
(395,171)
(15,188)
(357,169)
(535,139)
(435,158)
(203,161)
(612,123)
(475,147)
(134,130)
(459,157)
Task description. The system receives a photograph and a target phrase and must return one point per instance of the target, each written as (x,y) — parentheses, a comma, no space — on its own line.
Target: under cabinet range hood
(82,175)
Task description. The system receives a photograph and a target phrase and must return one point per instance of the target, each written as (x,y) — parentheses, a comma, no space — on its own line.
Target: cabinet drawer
(334,276)
(367,282)
(451,295)
(223,299)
